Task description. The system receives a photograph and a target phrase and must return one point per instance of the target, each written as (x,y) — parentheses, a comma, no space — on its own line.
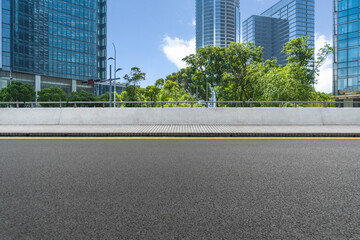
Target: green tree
(207,67)
(105,97)
(271,82)
(184,77)
(17,92)
(322,97)
(197,65)
(151,93)
(238,57)
(303,68)
(320,59)
(84,96)
(51,94)
(299,52)
(172,92)
(132,93)
(133,82)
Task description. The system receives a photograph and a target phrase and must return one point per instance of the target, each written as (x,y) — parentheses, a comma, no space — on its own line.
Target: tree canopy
(235,73)
(17,92)
(83,96)
(51,94)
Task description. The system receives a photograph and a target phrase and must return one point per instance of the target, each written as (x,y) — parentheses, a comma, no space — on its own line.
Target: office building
(217,22)
(286,20)
(101,88)
(346,85)
(53,43)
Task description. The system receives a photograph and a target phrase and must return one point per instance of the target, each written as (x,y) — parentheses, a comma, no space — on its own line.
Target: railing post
(147,105)
(281,104)
(324,104)
(17,104)
(251,104)
(103,105)
(60,105)
(236,104)
(192,104)
(74,105)
(162,105)
(296,104)
(32,105)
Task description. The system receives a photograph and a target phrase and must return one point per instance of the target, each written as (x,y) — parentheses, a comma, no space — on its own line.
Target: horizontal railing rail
(163,104)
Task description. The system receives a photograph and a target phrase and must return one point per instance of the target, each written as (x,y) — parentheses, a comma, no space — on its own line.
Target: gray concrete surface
(181,130)
(158,116)
(179,189)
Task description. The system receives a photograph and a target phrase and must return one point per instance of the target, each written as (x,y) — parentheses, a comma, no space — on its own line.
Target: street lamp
(110,85)
(116,70)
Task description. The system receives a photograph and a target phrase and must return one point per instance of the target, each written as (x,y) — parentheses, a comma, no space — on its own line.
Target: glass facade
(102,88)
(286,20)
(271,33)
(55,38)
(217,22)
(347,47)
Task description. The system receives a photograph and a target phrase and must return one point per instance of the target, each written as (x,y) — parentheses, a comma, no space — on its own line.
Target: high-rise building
(217,22)
(286,20)
(49,43)
(346,85)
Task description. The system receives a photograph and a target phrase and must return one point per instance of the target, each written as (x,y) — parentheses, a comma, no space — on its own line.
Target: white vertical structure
(37,83)
(73,85)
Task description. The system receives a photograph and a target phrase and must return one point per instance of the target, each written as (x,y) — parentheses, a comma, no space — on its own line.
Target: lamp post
(110,87)
(115,71)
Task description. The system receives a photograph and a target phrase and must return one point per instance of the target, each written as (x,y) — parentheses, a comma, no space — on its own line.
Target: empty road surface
(179,189)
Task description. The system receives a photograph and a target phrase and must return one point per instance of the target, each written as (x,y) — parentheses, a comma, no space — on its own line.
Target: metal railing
(152,104)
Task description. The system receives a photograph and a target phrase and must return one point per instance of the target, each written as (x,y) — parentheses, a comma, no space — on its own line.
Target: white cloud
(176,49)
(194,22)
(326,72)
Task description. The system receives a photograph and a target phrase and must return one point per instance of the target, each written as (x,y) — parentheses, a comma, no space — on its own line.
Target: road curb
(209,134)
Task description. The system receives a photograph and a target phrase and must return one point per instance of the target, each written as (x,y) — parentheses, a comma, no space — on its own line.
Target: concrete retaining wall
(228,116)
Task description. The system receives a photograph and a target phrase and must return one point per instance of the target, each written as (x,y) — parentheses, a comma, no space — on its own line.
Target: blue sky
(155,34)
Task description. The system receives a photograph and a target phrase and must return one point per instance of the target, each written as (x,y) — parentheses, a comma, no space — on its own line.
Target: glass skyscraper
(347,50)
(286,20)
(53,42)
(217,22)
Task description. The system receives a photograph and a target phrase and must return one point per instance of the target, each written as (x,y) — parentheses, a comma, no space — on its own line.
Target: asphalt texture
(179,189)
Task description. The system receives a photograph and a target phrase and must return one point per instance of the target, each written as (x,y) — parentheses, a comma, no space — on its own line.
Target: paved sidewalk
(181,130)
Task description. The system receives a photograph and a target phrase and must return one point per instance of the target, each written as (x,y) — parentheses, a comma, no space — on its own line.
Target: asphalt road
(179,189)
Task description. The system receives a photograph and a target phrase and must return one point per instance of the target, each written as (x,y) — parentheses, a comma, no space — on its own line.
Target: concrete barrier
(144,116)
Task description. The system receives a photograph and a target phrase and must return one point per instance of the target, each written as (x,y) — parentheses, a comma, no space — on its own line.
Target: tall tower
(217,22)
(53,43)
(286,20)
(346,82)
